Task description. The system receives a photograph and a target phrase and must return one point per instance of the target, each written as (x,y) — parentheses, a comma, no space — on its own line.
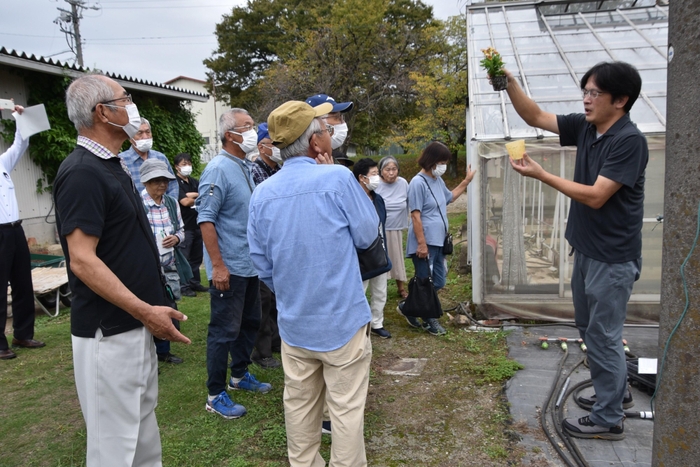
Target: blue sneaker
(433,326)
(413,322)
(249,383)
(224,406)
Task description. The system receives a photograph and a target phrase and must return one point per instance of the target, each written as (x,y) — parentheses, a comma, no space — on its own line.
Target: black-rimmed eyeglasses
(127,98)
(594,93)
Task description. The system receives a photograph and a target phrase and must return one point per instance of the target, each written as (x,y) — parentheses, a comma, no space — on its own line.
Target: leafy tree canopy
(364,51)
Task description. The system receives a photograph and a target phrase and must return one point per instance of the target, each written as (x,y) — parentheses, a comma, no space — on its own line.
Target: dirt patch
(441,417)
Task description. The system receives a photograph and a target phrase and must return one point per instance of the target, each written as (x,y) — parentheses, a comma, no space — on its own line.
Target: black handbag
(422,300)
(447,246)
(374,260)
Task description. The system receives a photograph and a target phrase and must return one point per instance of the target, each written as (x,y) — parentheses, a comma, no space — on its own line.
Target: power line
(69,22)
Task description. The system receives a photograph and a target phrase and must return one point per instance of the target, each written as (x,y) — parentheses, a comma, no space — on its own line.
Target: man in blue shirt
(304,227)
(604,227)
(140,150)
(222,205)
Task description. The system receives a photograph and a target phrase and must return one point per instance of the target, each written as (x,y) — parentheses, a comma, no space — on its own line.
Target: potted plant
(493,64)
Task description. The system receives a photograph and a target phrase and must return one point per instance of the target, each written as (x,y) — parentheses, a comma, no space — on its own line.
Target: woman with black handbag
(367,174)
(428,232)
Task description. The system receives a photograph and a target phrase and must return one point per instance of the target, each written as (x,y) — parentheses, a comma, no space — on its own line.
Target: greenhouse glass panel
(521,262)
(654,81)
(577,41)
(640,56)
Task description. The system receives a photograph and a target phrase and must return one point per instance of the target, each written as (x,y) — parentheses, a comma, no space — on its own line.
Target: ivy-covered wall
(172,122)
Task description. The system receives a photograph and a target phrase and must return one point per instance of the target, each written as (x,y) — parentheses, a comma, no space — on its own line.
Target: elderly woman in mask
(394,190)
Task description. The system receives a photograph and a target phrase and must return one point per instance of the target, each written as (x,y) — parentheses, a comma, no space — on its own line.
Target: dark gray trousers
(601,292)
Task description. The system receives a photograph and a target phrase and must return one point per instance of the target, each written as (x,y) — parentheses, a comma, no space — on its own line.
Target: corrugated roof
(56,67)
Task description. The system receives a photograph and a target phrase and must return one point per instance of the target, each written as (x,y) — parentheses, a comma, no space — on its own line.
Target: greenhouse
(520,258)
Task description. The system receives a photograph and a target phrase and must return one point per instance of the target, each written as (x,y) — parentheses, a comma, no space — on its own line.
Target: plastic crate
(46,261)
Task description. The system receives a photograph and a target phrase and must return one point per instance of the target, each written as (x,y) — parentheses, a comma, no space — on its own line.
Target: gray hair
(143,120)
(227,121)
(384,161)
(300,147)
(83,95)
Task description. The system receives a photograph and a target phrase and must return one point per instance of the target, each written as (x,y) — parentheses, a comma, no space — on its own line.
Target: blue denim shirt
(224,194)
(133,162)
(304,227)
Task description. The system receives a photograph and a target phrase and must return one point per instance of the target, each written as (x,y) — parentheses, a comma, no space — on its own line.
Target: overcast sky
(155,40)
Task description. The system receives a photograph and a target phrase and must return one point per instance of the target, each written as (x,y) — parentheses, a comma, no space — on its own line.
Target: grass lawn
(454,413)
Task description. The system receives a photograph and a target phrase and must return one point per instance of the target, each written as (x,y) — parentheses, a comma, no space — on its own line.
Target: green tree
(360,50)
(441,96)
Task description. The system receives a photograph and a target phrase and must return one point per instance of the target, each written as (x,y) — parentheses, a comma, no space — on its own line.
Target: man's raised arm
(528,109)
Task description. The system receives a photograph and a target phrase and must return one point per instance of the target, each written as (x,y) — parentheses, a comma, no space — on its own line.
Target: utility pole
(69,22)
(676,430)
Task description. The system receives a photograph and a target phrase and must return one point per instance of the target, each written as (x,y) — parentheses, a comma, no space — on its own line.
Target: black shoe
(588,402)
(187,293)
(7,354)
(169,358)
(199,288)
(27,343)
(267,362)
(584,428)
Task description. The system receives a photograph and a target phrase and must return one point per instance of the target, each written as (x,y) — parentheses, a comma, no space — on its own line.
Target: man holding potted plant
(604,227)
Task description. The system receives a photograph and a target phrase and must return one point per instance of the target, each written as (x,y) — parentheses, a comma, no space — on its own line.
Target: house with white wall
(35,208)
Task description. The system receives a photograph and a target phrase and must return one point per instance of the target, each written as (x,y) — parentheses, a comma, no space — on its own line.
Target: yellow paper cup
(516,149)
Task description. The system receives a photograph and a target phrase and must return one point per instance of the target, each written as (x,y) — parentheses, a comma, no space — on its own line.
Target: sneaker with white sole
(224,406)
(412,321)
(588,402)
(584,428)
(433,326)
(326,427)
(249,383)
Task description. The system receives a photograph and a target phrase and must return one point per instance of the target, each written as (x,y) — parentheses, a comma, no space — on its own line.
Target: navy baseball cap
(319,99)
(262,132)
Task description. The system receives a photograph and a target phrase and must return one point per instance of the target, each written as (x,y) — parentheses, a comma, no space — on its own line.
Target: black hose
(543,412)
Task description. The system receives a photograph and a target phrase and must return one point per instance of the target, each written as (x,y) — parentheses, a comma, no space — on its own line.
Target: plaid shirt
(159,218)
(134,162)
(261,171)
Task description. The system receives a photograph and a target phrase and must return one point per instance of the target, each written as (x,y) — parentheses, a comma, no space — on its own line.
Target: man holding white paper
(15,266)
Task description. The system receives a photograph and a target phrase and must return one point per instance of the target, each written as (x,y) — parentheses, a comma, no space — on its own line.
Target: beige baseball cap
(290,120)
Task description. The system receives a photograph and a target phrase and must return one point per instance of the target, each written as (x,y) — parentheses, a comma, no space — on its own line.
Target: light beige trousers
(341,377)
(117,382)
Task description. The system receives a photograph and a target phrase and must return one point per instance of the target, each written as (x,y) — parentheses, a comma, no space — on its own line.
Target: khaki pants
(341,377)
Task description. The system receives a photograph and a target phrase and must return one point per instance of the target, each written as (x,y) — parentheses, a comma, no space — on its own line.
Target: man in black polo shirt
(192,247)
(604,226)
(114,274)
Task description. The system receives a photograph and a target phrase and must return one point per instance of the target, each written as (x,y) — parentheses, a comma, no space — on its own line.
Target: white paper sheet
(7,104)
(647,366)
(32,121)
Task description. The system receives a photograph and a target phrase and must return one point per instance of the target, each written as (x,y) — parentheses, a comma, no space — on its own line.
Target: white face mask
(276,157)
(439,170)
(373,182)
(340,132)
(143,145)
(134,124)
(185,170)
(250,140)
